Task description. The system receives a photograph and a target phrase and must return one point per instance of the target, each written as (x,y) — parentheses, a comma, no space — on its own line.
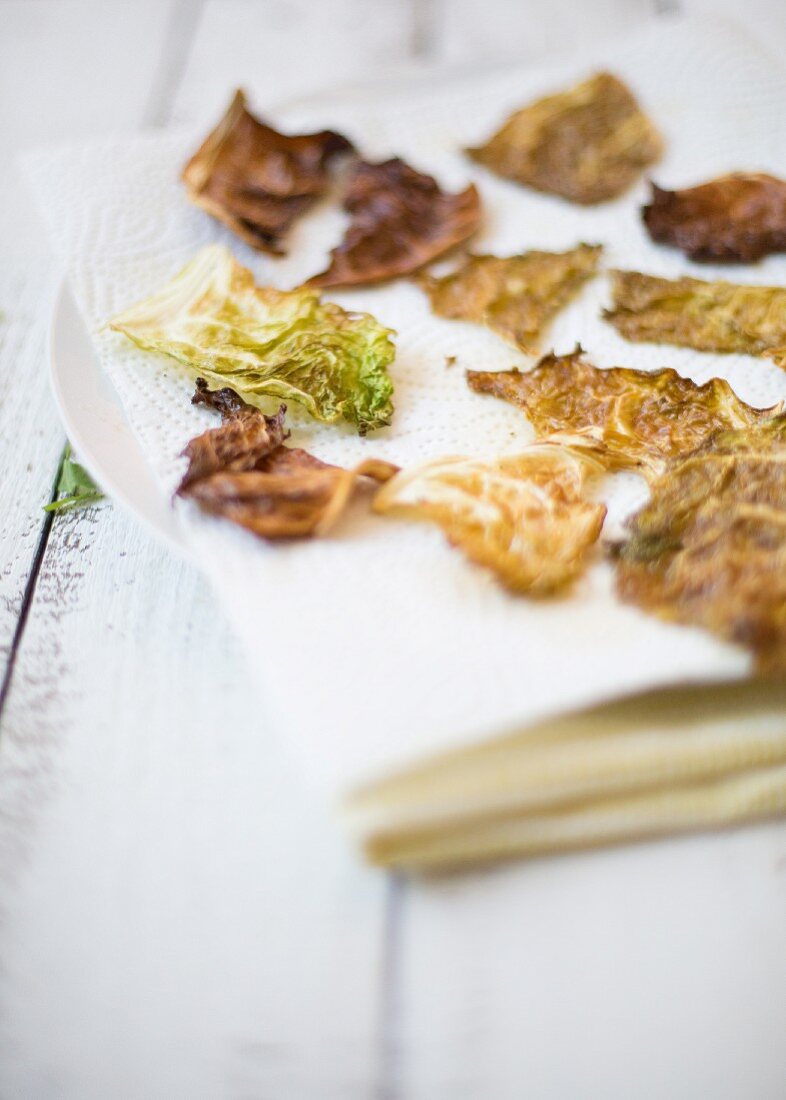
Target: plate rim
(153,513)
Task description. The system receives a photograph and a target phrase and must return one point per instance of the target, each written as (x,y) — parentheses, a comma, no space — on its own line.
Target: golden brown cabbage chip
(588,144)
(709,548)
(515,296)
(522,516)
(641,418)
(692,313)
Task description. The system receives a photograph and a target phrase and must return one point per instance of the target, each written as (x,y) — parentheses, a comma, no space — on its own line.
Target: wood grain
(30,433)
(183,923)
(50,74)
(153,841)
(180,917)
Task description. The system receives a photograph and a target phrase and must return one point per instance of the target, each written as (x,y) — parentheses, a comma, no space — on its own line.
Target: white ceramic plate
(97,427)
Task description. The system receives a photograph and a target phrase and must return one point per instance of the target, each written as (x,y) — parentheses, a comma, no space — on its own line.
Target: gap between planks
(178,39)
(427,23)
(29,591)
(390,1048)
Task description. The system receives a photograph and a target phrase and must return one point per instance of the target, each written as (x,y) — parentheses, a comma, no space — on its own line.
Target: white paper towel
(380,645)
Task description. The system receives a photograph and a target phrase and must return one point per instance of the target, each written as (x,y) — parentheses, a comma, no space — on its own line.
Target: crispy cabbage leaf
(640,418)
(515,296)
(242,472)
(245,438)
(401,220)
(709,548)
(268,343)
(692,313)
(735,218)
(256,180)
(587,144)
(522,516)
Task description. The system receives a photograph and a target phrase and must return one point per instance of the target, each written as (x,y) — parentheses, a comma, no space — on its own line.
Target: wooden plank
(764,20)
(535,980)
(156,853)
(180,917)
(73,69)
(69,70)
(507,30)
(65,70)
(280,49)
(599,975)
(30,436)
(184,920)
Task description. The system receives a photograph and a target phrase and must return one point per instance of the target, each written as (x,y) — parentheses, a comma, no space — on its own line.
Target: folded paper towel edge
(582,766)
(738,798)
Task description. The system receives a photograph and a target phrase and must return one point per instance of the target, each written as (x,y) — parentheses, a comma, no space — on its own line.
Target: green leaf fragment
(268,343)
(75,487)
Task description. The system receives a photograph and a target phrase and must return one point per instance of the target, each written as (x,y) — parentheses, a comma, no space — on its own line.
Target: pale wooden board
(69,70)
(281,49)
(180,917)
(31,438)
(154,849)
(763,20)
(509,30)
(56,81)
(650,971)
(597,975)
(178,920)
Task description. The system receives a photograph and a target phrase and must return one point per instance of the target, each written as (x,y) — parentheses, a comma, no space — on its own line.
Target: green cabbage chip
(268,343)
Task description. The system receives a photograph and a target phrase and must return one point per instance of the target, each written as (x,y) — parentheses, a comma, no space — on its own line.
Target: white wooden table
(177,919)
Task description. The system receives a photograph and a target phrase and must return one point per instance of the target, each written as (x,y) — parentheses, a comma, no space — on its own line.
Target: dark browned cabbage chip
(256,180)
(242,472)
(400,220)
(736,218)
